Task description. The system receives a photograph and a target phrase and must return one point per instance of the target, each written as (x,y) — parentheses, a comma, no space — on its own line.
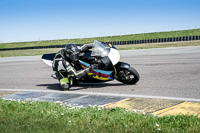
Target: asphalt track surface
(164,72)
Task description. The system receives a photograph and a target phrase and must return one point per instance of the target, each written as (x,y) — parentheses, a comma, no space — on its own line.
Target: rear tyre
(128,75)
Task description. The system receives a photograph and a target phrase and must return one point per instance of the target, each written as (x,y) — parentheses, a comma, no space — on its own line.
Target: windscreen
(100,49)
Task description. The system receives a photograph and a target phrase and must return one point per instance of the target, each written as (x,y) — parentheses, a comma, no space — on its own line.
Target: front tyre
(128,75)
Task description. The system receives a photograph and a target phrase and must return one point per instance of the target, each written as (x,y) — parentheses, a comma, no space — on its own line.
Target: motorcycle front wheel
(128,75)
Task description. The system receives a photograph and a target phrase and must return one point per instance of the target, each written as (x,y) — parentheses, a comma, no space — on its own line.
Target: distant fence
(159,40)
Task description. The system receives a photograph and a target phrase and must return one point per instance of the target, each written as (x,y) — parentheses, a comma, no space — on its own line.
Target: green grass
(155,35)
(31,52)
(17,116)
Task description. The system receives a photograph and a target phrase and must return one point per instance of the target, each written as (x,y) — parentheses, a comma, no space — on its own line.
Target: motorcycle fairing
(103,50)
(114,56)
(84,63)
(48,58)
(96,73)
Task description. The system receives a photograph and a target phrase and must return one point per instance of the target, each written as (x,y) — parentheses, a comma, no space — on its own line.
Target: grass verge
(29,116)
(155,35)
(31,52)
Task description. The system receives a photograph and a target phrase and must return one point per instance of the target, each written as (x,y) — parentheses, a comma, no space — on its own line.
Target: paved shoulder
(20,58)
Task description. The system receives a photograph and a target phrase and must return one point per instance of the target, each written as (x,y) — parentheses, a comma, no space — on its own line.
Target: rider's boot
(64,83)
(65,86)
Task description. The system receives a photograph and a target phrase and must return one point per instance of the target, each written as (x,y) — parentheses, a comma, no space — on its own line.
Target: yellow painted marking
(122,104)
(151,105)
(186,108)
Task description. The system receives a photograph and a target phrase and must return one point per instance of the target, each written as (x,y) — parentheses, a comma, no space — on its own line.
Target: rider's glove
(93,66)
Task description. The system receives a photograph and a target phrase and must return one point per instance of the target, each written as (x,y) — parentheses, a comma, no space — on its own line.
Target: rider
(64,62)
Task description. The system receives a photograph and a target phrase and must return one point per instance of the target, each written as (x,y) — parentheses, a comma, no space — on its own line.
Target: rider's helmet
(72,52)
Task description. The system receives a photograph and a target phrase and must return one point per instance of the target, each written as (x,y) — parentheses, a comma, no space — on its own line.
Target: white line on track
(106,94)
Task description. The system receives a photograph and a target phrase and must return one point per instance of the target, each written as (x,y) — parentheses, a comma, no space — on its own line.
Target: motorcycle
(107,58)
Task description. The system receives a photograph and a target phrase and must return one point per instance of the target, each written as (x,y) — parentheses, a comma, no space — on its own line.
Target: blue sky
(30,20)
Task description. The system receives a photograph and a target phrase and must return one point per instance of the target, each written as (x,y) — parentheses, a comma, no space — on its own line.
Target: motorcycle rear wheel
(128,75)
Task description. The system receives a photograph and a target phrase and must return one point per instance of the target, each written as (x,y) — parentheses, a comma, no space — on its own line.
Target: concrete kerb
(158,107)
(155,106)
(6,93)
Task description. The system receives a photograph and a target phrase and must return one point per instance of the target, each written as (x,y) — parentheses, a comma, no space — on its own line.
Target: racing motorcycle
(109,67)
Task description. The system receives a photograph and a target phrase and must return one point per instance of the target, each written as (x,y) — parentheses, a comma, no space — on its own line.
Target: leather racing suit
(63,67)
